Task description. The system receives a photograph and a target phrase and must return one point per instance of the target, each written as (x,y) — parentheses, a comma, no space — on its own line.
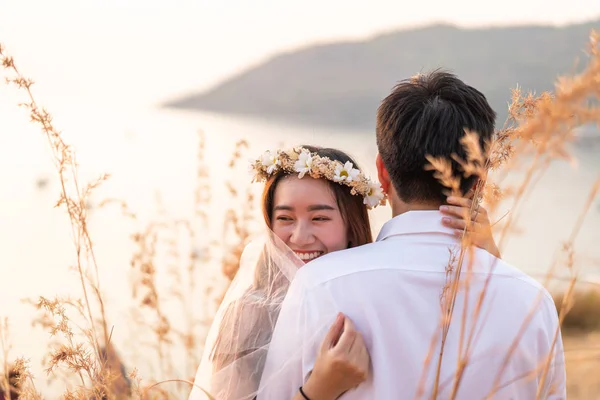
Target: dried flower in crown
(302,162)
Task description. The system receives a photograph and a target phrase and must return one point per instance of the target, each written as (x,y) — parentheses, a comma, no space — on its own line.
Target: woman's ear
(382,175)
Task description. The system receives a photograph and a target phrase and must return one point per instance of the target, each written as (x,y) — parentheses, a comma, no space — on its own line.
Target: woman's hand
(480,230)
(342,364)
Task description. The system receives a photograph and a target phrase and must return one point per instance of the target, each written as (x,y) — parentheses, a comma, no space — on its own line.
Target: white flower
(375,195)
(270,161)
(345,173)
(303,164)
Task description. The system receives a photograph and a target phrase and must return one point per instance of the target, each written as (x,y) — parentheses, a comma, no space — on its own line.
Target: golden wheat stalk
(73,198)
(547,122)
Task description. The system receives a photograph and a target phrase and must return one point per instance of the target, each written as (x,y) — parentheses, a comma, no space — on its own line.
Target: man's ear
(478,184)
(382,174)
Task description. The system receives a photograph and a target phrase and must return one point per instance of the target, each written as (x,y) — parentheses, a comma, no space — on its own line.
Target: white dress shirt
(392,290)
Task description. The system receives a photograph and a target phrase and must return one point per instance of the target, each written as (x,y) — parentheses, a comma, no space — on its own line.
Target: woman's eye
(283,218)
(320,219)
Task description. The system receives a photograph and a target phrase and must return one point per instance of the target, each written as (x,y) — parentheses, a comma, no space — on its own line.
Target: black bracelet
(303,394)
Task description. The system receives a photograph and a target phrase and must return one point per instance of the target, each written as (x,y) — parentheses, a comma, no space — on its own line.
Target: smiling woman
(307,218)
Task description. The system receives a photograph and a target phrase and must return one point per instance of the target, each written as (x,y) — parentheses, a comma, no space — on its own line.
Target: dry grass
(537,132)
(85,359)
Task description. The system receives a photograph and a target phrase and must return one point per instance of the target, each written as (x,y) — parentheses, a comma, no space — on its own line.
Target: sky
(144,52)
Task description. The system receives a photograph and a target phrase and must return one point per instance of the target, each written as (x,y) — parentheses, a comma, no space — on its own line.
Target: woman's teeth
(309,256)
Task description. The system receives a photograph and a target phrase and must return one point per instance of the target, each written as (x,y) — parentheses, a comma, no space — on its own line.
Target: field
(583,360)
(83,358)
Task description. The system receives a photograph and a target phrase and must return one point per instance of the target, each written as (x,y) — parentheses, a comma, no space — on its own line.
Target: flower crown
(301,161)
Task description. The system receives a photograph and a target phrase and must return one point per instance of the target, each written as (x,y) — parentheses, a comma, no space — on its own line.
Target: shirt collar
(414,222)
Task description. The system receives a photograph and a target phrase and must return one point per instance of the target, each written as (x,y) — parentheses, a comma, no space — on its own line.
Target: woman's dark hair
(353,211)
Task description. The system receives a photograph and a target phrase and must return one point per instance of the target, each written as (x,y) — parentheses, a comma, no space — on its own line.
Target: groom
(392,289)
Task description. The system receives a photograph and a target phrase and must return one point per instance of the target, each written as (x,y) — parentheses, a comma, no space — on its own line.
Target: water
(148,151)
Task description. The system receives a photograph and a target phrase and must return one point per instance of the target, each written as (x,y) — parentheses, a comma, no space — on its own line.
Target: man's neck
(399,207)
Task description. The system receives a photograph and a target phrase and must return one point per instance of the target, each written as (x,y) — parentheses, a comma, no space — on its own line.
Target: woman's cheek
(281,230)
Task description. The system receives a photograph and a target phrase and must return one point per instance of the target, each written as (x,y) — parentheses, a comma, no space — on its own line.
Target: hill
(343,83)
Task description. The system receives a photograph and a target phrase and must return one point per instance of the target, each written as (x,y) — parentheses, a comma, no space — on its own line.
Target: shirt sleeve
(558,381)
(555,385)
(304,319)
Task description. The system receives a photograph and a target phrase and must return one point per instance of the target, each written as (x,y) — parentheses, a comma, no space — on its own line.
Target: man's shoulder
(518,280)
(527,295)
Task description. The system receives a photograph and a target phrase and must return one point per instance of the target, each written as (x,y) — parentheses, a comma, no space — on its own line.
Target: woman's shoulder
(246,326)
(250,314)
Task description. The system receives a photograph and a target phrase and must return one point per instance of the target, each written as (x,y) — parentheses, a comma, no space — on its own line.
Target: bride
(315,201)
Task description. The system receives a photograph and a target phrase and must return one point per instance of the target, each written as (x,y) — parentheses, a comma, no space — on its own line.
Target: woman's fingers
(360,358)
(461,207)
(365,359)
(482,218)
(334,333)
(456,211)
(348,336)
(364,356)
(459,225)
(454,223)
(460,201)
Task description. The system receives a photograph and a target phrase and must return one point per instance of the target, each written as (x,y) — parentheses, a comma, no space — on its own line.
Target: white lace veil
(238,340)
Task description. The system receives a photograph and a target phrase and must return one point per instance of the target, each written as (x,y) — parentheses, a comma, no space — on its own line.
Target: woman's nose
(301,235)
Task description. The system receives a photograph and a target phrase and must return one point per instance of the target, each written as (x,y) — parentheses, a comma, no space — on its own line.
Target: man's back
(393,290)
